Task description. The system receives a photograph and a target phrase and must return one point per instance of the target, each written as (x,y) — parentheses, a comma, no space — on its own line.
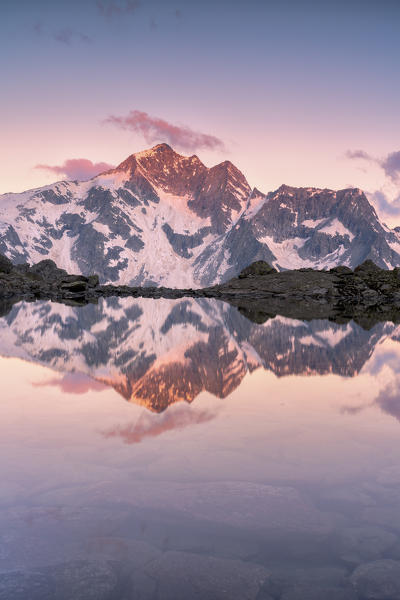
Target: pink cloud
(154,129)
(73,383)
(150,425)
(389,163)
(389,399)
(391,167)
(77,168)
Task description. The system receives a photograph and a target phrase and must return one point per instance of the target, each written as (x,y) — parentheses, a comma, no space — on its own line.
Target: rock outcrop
(43,280)
(368,294)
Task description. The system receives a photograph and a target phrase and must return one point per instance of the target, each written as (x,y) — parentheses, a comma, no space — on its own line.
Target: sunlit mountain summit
(161,218)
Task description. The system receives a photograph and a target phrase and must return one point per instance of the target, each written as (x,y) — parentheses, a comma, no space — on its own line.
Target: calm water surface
(160,449)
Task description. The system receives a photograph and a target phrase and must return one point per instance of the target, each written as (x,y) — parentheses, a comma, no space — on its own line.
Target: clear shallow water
(158,449)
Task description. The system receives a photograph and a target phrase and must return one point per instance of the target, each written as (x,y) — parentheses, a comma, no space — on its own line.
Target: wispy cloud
(67,36)
(389,399)
(387,358)
(38,28)
(390,164)
(77,168)
(73,383)
(113,8)
(384,204)
(150,425)
(155,129)
(358,154)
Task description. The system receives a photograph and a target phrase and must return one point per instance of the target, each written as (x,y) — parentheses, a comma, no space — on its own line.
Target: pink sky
(284,92)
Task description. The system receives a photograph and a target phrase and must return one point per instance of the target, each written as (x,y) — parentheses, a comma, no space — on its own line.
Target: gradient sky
(285,88)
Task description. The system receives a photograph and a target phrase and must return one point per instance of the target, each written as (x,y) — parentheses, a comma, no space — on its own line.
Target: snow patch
(395,246)
(334,336)
(254,205)
(312,223)
(336,227)
(309,340)
(286,252)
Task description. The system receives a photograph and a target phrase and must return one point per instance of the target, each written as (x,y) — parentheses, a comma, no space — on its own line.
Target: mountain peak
(162,218)
(157,149)
(159,158)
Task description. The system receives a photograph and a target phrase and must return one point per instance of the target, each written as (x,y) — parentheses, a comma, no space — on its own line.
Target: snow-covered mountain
(158,352)
(160,218)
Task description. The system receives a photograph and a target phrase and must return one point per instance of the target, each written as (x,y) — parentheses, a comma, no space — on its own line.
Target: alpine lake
(176,450)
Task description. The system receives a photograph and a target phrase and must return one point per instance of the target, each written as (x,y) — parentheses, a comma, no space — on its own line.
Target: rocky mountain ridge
(162,219)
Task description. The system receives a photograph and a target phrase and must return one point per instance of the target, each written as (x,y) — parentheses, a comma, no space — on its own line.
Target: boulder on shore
(257,269)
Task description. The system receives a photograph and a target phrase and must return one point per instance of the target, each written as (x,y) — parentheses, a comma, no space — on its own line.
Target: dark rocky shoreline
(367,295)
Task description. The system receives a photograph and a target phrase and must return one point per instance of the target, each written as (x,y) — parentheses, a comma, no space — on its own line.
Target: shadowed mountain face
(160,218)
(158,352)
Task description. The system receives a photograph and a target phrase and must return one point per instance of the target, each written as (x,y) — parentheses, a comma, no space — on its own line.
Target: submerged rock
(79,580)
(21,586)
(360,544)
(85,580)
(312,592)
(378,580)
(184,576)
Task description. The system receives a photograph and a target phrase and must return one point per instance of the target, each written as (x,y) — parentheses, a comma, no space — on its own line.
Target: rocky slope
(164,219)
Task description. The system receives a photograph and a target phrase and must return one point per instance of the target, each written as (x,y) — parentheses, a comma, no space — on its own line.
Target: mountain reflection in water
(287,490)
(156,353)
